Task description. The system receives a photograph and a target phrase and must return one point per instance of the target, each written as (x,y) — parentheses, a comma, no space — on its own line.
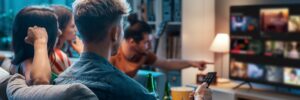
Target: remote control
(209,78)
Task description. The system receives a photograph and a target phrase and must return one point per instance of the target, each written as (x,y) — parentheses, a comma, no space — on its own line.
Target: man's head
(138,37)
(100,20)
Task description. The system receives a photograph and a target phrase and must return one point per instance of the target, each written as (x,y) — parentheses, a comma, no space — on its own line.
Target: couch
(39,92)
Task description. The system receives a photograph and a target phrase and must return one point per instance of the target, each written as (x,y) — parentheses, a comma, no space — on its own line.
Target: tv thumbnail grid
(270,20)
(265,73)
(272,48)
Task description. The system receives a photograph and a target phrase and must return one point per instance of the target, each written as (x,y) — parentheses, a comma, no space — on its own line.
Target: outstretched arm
(174,64)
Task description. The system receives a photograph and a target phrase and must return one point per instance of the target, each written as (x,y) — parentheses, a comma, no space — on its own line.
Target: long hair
(29,17)
(64,15)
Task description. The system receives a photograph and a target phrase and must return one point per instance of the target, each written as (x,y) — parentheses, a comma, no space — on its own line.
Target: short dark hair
(94,17)
(64,15)
(137,30)
(29,17)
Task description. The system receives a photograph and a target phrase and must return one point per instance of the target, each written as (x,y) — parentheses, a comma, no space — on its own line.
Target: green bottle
(167,95)
(151,86)
(53,77)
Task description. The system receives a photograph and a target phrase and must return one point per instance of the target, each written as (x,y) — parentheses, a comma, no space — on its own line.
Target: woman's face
(70,31)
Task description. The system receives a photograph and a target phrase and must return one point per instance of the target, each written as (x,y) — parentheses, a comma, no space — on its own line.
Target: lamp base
(223,80)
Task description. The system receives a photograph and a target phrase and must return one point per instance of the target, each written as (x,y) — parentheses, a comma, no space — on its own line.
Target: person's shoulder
(86,63)
(116,56)
(91,66)
(113,59)
(126,87)
(150,58)
(125,82)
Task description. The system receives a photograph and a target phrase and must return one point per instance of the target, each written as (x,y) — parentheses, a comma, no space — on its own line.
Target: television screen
(246,46)
(256,71)
(292,50)
(274,74)
(240,46)
(292,76)
(274,19)
(274,48)
(294,23)
(255,47)
(265,44)
(242,23)
(238,69)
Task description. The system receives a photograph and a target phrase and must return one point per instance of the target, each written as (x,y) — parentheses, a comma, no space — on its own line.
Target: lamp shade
(221,43)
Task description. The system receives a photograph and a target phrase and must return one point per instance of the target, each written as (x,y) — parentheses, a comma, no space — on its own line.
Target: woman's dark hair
(64,15)
(29,17)
(132,18)
(137,29)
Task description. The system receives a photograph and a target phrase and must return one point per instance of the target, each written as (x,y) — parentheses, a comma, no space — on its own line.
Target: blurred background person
(134,52)
(68,38)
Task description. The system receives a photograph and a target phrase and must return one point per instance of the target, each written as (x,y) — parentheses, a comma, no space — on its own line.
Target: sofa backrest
(17,89)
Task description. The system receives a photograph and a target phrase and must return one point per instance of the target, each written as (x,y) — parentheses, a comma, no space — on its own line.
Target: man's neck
(126,50)
(102,49)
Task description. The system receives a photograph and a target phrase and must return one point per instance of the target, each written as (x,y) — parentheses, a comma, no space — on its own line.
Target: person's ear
(131,41)
(115,34)
(59,32)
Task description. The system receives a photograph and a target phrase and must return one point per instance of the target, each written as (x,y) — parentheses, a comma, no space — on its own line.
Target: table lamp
(220,46)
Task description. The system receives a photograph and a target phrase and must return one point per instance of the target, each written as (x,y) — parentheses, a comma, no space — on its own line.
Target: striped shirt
(59,61)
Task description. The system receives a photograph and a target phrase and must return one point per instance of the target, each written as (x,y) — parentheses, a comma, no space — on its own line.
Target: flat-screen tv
(265,44)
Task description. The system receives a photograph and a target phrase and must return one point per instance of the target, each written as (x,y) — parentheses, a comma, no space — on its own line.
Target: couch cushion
(3,83)
(17,89)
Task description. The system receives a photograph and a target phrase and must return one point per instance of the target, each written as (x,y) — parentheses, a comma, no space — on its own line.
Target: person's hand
(77,45)
(36,35)
(202,93)
(201,65)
